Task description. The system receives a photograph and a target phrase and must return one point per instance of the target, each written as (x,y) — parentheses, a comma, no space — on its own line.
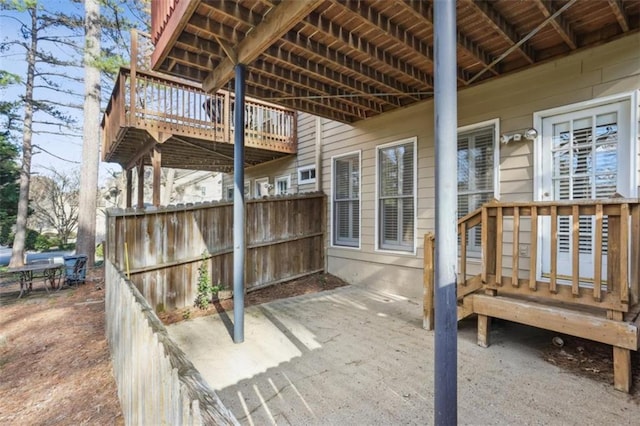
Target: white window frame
(257,184)
(413,140)
(632,166)
(333,239)
(229,190)
(304,169)
(285,178)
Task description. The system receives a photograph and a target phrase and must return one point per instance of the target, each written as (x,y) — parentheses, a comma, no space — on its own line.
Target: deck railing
(162,103)
(604,232)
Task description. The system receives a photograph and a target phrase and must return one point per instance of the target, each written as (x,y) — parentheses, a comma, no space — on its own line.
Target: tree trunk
(17,253)
(86,242)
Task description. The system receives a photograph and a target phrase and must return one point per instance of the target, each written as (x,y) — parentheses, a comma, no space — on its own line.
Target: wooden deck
(599,304)
(192,129)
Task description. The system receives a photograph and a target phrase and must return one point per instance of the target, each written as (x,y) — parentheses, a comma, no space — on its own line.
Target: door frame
(538,156)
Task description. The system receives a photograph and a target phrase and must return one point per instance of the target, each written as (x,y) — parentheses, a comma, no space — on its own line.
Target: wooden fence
(156,382)
(162,249)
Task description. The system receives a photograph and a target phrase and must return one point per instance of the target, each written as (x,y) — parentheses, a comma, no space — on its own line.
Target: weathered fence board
(157,384)
(165,247)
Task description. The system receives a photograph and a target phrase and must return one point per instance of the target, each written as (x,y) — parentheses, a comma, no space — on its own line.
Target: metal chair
(75,269)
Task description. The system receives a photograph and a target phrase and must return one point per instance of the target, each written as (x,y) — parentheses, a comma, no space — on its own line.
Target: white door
(585,155)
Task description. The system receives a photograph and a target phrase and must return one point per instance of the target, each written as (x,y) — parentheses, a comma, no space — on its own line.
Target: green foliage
(9,188)
(205,289)
(30,239)
(100,251)
(43,242)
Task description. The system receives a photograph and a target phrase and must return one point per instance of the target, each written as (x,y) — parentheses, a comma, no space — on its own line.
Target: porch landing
(353,356)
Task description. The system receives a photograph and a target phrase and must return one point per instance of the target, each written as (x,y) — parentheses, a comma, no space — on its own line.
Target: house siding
(306,125)
(606,70)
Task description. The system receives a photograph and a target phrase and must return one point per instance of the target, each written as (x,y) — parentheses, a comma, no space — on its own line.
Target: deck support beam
(129,190)
(621,369)
(239,243)
(156,161)
(140,170)
(446,252)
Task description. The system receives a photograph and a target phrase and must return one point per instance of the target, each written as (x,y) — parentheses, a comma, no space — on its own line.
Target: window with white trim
(306,174)
(396,196)
(247,191)
(282,184)
(477,165)
(346,200)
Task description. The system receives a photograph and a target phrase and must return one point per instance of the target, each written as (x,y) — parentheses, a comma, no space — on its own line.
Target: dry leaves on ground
(55,366)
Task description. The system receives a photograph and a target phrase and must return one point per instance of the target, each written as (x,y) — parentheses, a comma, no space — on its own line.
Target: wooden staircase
(603,307)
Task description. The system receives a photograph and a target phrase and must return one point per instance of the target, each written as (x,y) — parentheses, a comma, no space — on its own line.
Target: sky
(62,153)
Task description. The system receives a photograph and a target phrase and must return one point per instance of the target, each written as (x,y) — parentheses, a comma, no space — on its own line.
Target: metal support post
(446,323)
(239,243)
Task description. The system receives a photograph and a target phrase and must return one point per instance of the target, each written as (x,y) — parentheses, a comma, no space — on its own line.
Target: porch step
(567,321)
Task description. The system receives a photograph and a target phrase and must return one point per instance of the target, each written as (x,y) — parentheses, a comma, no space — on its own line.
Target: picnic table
(51,273)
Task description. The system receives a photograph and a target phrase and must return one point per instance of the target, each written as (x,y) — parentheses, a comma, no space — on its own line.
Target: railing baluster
(533,249)
(515,266)
(575,252)
(624,253)
(554,249)
(462,277)
(634,279)
(597,257)
(499,232)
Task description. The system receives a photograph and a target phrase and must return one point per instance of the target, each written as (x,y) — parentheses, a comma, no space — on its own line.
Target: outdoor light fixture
(530,135)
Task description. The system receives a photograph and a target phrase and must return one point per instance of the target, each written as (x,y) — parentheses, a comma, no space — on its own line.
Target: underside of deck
(133,145)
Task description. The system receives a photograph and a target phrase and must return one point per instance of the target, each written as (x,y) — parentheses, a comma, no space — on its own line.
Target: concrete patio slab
(354,356)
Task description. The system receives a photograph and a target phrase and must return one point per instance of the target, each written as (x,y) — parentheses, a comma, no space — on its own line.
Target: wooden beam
(129,188)
(140,170)
(234,11)
(301,66)
(621,16)
(287,90)
(188,41)
(561,320)
(214,29)
(421,80)
(301,105)
(297,79)
(192,59)
(502,27)
(146,149)
(484,328)
(175,26)
(428,282)
(559,24)
(279,20)
(423,11)
(621,369)
(156,162)
(339,60)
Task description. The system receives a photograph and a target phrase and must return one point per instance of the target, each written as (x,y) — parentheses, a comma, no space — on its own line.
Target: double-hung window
(346,200)
(477,165)
(397,196)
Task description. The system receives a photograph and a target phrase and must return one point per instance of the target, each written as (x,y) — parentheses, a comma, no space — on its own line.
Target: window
(346,200)
(306,174)
(477,165)
(282,185)
(396,196)
(261,188)
(246,191)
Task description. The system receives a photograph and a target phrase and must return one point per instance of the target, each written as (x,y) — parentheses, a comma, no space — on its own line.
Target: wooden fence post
(428,281)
